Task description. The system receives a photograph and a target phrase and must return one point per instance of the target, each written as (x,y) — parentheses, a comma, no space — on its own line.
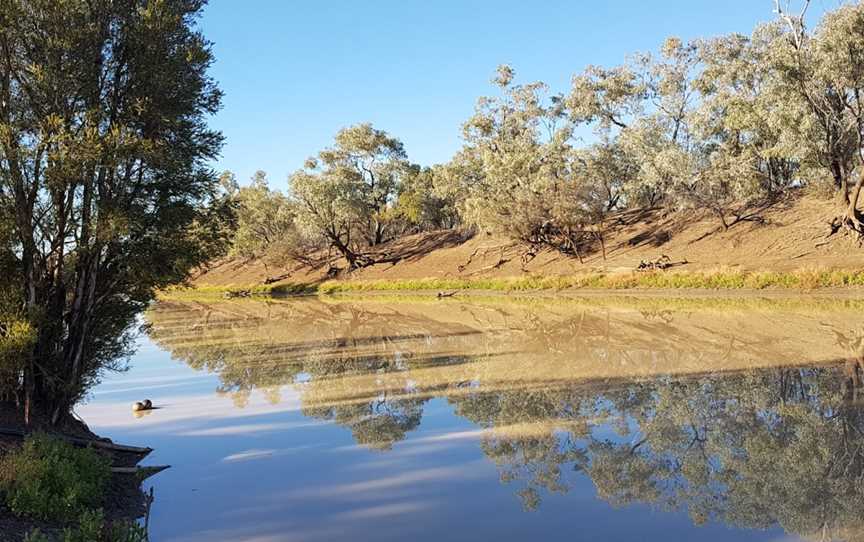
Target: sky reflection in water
(449,420)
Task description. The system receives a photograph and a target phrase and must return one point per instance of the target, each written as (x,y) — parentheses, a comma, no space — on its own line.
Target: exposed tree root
(528,256)
(501,261)
(485,252)
(849,223)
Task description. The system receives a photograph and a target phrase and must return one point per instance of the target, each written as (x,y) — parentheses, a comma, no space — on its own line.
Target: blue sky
(295,72)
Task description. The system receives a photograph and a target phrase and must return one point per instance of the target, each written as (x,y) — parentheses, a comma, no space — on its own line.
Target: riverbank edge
(830,282)
(124,497)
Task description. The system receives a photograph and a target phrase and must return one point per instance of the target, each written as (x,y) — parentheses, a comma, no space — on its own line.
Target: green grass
(721,279)
(219,292)
(92,527)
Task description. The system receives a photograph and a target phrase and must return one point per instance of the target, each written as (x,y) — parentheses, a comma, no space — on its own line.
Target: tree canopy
(344,192)
(105,189)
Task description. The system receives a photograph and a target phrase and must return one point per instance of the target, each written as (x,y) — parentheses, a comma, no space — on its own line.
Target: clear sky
(296,71)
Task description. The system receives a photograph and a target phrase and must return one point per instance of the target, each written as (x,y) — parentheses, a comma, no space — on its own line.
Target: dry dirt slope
(789,235)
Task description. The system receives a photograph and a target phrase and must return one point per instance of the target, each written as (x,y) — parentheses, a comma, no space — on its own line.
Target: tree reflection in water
(749,447)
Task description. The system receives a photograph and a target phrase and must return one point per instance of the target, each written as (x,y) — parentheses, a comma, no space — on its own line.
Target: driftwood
(660,264)
(486,250)
(442,295)
(501,261)
(271,280)
(101,444)
(142,472)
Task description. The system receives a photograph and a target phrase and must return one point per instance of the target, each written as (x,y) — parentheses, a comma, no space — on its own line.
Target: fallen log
(101,444)
(660,264)
(142,472)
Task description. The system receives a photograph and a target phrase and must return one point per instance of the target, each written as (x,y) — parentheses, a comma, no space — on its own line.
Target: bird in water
(138,406)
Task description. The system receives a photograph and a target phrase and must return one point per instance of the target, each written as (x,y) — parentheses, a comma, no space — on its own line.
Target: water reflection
(740,412)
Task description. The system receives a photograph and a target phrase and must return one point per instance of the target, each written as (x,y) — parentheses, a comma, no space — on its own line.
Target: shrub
(92,527)
(51,480)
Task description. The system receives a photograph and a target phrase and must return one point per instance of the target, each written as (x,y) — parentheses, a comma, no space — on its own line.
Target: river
(400,418)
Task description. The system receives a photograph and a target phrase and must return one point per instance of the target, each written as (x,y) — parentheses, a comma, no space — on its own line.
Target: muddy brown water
(420,419)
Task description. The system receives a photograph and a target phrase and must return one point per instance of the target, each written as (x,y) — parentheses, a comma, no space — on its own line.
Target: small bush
(51,480)
(92,527)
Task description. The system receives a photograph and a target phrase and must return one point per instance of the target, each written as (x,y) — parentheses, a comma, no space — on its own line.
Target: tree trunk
(722,217)
(601,238)
(378,234)
(346,252)
(847,203)
(852,204)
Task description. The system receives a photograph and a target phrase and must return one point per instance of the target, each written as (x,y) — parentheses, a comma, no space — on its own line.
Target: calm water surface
(383,419)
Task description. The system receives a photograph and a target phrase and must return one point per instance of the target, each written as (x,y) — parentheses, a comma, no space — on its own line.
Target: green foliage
(92,527)
(524,184)
(423,201)
(715,124)
(51,480)
(264,221)
(344,194)
(36,536)
(105,154)
(721,125)
(17,337)
(820,78)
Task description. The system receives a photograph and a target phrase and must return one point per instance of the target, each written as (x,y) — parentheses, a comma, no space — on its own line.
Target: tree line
(720,124)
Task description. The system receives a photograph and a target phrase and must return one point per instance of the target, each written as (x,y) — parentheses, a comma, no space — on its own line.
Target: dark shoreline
(124,499)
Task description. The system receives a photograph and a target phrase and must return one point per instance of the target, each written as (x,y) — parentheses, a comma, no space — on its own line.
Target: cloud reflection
(353,490)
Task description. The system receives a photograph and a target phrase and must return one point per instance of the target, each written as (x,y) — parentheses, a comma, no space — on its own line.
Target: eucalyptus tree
(662,140)
(736,148)
(345,192)
(264,225)
(520,144)
(609,170)
(687,119)
(104,183)
(742,107)
(457,178)
(822,78)
(424,202)
(642,108)
(608,98)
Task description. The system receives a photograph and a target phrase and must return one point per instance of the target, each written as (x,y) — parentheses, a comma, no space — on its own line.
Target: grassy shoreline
(805,280)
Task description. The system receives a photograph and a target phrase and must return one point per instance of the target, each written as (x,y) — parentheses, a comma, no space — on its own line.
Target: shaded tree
(103,175)
(264,224)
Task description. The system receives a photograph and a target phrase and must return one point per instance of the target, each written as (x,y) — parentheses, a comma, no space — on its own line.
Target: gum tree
(346,190)
(518,146)
(822,75)
(264,225)
(104,184)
